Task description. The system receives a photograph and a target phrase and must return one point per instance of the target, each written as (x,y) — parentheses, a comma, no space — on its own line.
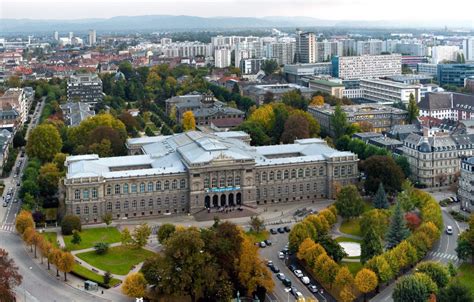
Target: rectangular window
(85,194)
(94,192)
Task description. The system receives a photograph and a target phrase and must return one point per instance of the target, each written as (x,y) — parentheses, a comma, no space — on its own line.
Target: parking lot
(281,292)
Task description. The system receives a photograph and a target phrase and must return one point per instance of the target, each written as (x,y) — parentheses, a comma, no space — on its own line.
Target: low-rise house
(75,113)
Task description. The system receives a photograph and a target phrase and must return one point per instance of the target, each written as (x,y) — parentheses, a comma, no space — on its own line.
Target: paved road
(443,251)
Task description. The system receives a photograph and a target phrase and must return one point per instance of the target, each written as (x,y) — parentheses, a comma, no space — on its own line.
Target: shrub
(107,277)
(70,223)
(101,248)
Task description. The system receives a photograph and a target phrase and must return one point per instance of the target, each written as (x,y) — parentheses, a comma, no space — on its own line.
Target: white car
(305,280)
(281,255)
(298,273)
(449,230)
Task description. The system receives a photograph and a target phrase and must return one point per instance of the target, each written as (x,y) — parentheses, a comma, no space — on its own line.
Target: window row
(286,190)
(221,182)
(287,174)
(148,187)
(343,170)
(86,193)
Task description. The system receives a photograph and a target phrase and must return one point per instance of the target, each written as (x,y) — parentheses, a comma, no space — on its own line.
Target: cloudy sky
(430,10)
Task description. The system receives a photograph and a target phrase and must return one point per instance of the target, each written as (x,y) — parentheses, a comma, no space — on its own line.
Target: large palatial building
(188,172)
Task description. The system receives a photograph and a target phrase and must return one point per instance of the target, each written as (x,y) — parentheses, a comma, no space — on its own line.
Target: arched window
(307,172)
(278,175)
(117,205)
(293,173)
(142,203)
(167,185)
(182,183)
(206,182)
(134,204)
(78,211)
(214,182)
(300,173)
(315,171)
(94,209)
(174,184)
(158,201)
(150,202)
(134,188)
(142,187)
(222,182)
(150,187)
(109,206)
(272,175)
(321,171)
(85,194)
(77,194)
(264,176)
(117,189)
(125,188)
(94,192)
(86,210)
(158,186)
(109,190)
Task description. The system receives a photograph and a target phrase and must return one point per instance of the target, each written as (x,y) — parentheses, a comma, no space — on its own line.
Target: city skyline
(360,10)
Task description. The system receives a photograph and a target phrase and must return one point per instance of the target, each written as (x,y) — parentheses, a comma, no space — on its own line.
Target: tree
(402,162)
(44,142)
(19,140)
(317,100)
(329,270)
(23,221)
(9,277)
(70,223)
(344,278)
(382,169)
(347,295)
(413,111)
(257,224)
(189,123)
(76,237)
(339,122)
(397,230)
(65,263)
(349,203)
(371,246)
(436,271)
(268,97)
(107,219)
(269,66)
(381,268)
(413,221)
(465,248)
(101,248)
(165,231)
(48,179)
(295,99)
(305,248)
(380,199)
(13,81)
(455,292)
(332,247)
(36,240)
(297,235)
(410,288)
(134,285)
(126,237)
(141,234)
(28,235)
(296,127)
(366,281)
(45,250)
(107,277)
(375,219)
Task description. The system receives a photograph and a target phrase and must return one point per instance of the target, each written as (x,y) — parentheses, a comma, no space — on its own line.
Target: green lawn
(89,237)
(347,239)
(351,227)
(257,237)
(51,237)
(353,267)
(90,275)
(466,275)
(118,260)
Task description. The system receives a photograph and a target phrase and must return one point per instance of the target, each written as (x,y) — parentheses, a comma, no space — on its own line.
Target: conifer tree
(397,230)
(380,199)
(371,246)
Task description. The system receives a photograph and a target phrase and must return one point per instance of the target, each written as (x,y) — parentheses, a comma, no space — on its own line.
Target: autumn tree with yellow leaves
(134,285)
(189,122)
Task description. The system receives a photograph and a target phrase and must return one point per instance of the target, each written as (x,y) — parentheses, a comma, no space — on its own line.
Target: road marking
(447,245)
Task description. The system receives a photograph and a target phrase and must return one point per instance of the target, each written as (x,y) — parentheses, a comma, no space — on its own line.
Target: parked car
(281,276)
(287,229)
(275,269)
(270,266)
(281,255)
(299,296)
(273,231)
(286,282)
(269,262)
(298,273)
(449,230)
(285,251)
(268,242)
(5,204)
(292,267)
(312,288)
(305,280)
(294,290)
(280,230)
(262,244)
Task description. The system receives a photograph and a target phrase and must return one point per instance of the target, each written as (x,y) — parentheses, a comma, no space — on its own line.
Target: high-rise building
(282,52)
(56,36)
(222,58)
(84,88)
(92,37)
(325,50)
(305,47)
(444,53)
(364,67)
(468,49)
(370,47)
(71,35)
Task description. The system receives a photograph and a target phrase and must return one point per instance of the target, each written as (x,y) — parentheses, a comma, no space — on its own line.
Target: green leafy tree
(455,292)
(165,231)
(410,288)
(297,235)
(332,247)
(141,234)
(101,248)
(269,66)
(70,223)
(349,203)
(397,230)
(339,123)
(371,246)
(413,110)
(107,277)
(375,219)
(382,169)
(436,271)
(107,219)
(44,142)
(380,199)
(295,99)
(257,223)
(76,237)
(465,248)
(126,237)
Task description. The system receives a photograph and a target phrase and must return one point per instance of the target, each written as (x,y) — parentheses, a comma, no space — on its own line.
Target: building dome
(424,147)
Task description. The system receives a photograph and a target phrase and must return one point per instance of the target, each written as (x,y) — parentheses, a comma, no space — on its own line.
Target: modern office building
(427,68)
(384,91)
(454,74)
(466,184)
(191,172)
(305,47)
(363,67)
(92,37)
(222,58)
(330,87)
(411,79)
(447,105)
(381,117)
(435,160)
(207,110)
(296,72)
(85,87)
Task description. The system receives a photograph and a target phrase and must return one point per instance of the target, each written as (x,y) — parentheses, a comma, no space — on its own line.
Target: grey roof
(447,100)
(440,142)
(76,112)
(176,153)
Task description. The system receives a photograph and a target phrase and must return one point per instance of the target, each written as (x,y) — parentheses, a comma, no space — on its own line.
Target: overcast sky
(430,10)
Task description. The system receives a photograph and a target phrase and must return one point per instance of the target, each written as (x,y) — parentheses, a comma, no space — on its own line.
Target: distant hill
(169,22)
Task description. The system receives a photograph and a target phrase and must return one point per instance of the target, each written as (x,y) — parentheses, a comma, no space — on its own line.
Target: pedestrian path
(8,227)
(439,255)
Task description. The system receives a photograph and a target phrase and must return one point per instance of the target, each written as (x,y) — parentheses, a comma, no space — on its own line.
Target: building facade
(258,92)
(329,87)
(193,171)
(84,88)
(222,57)
(14,105)
(383,91)
(363,67)
(454,74)
(296,72)
(447,105)
(381,117)
(305,47)
(466,184)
